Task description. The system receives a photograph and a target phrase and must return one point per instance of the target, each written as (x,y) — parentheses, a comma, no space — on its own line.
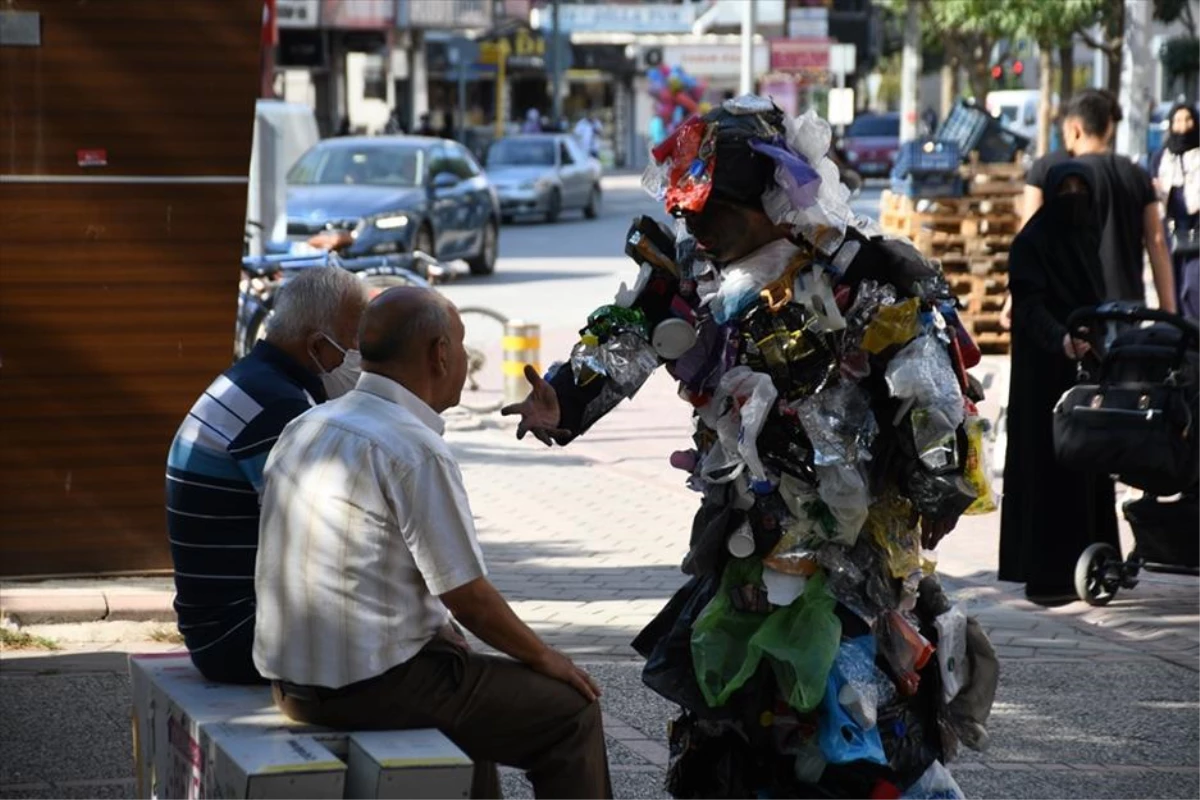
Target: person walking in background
(1123,197)
(532,123)
(587,133)
(1177,180)
(1050,514)
(426,127)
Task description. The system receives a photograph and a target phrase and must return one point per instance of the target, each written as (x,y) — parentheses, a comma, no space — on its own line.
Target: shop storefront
(800,74)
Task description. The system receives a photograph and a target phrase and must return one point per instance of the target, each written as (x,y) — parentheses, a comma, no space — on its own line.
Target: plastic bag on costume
(865,686)
(935,782)
(905,649)
(896,324)
(839,424)
(813,289)
(952,651)
(665,643)
(841,737)
(809,135)
(799,641)
(922,372)
(889,523)
(968,712)
(743,400)
(789,345)
(843,489)
(743,280)
(977,474)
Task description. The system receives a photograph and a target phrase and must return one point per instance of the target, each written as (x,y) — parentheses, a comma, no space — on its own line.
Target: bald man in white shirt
(367,548)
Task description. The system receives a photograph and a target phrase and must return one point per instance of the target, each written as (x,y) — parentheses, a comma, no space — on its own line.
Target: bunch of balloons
(679,96)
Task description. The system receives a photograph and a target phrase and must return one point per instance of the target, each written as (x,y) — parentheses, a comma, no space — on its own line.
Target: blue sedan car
(393,194)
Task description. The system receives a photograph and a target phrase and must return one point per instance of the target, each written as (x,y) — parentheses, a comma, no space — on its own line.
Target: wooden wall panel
(117,299)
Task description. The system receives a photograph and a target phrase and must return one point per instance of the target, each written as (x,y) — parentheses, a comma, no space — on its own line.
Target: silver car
(543,174)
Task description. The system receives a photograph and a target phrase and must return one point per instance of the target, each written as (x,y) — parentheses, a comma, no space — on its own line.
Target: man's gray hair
(311,302)
(404,340)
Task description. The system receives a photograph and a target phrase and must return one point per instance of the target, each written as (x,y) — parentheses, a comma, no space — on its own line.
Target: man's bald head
(401,324)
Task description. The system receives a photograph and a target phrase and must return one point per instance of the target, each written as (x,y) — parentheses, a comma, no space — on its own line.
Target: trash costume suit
(812,651)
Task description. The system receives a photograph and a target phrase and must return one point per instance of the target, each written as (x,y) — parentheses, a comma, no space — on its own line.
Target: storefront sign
(808,23)
(713,60)
(297,13)
(444,14)
(92,157)
(522,48)
(799,55)
(644,18)
(358,14)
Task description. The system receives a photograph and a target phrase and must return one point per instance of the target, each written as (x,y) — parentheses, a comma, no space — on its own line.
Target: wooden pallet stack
(970,236)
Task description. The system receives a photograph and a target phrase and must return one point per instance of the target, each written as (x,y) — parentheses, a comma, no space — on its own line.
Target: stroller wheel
(1098,574)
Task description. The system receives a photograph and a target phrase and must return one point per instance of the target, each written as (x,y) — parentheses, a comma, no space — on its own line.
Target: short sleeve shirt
(1123,190)
(365,522)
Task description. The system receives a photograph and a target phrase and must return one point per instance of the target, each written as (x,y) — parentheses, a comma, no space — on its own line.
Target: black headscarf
(1057,254)
(1180,143)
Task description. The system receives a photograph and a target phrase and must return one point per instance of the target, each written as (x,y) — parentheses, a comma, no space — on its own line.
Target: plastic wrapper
(922,372)
(952,651)
(893,325)
(889,524)
(905,649)
(789,346)
(784,446)
(793,553)
(799,641)
(822,224)
(867,226)
(843,489)
(608,321)
(870,298)
(627,296)
(935,782)
(976,474)
(839,424)
(935,437)
(743,280)
(688,156)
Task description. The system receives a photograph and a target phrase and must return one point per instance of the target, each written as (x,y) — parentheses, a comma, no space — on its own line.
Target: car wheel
(485,262)
(592,209)
(424,242)
(554,207)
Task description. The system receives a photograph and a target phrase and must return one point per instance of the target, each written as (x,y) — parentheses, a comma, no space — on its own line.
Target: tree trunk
(949,71)
(1115,37)
(1045,86)
(1066,79)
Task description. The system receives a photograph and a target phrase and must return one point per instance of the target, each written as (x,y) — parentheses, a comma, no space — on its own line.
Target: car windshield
(1009,113)
(875,126)
(368,166)
(521,153)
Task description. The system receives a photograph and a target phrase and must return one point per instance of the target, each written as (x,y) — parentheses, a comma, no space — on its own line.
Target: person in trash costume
(812,651)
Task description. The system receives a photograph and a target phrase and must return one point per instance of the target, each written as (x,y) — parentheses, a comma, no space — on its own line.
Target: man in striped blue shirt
(215,466)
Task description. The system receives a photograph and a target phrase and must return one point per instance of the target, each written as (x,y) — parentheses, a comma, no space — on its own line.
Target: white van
(282,133)
(1017,109)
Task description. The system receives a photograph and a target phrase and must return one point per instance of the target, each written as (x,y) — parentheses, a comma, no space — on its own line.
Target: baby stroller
(1138,422)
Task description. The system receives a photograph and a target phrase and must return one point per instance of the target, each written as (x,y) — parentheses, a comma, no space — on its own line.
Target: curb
(57,606)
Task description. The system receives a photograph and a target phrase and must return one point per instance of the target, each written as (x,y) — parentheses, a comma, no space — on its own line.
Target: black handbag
(1138,420)
(1185,242)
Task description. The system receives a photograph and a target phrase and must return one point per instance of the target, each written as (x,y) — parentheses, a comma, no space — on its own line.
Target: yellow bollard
(522,345)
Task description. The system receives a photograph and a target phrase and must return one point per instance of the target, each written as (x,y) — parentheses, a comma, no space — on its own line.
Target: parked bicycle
(263,277)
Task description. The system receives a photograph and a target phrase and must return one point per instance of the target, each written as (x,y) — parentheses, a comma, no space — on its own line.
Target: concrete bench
(197,739)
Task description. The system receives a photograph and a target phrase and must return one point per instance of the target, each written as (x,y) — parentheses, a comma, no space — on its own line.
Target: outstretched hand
(934,530)
(539,411)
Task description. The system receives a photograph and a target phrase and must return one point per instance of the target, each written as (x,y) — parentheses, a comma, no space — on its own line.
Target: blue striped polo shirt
(214,480)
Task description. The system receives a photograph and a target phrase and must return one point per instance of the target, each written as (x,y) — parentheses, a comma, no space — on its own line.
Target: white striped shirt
(365,522)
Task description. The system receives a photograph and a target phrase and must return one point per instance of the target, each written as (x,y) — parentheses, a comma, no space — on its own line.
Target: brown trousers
(495,709)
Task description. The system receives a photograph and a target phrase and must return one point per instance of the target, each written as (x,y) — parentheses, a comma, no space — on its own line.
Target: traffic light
(998,73)
(1018,68)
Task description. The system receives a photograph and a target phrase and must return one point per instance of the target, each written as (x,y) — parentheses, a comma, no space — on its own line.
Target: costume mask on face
(344,376)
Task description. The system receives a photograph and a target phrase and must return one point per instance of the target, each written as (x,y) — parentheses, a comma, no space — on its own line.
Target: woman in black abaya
(1051,514)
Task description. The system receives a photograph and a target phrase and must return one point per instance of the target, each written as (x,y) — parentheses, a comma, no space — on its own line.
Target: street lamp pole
(746,84)
(556,82)
(910,72)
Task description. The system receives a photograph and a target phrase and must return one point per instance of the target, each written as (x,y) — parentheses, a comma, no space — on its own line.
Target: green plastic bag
(800,641)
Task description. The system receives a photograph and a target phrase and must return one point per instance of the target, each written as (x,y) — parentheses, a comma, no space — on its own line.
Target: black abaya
(1049,514)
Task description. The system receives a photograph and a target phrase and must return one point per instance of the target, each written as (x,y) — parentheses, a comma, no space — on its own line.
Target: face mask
(1180,143)
(344,376)
(1076,210)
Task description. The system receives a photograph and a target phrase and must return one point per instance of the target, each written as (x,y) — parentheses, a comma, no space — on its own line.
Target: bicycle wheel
(484,388)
